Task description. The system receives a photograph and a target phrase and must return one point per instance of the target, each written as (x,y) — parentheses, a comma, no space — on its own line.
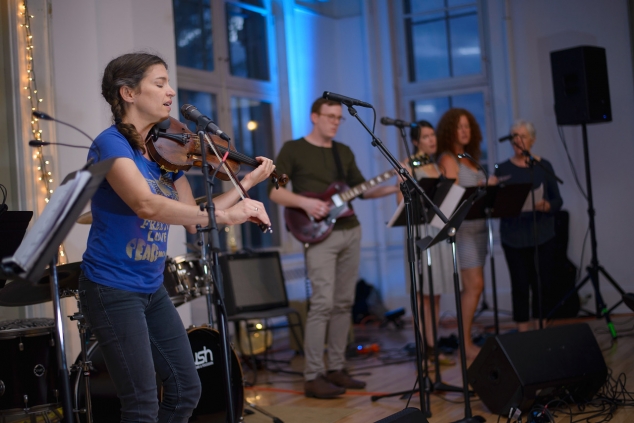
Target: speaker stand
(595,268)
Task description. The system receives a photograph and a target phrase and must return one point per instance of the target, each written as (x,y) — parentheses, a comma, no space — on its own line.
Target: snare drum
(28,369)
(212,406)
(183,278)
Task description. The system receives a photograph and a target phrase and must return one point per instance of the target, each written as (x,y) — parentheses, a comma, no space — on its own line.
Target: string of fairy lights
(30,87)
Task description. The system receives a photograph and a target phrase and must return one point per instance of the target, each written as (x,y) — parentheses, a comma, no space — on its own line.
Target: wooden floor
(286,389)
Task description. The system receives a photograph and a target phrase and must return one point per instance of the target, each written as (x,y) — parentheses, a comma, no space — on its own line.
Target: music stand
(13,226)
(449,231)
(437,189)
(31,270)
(499,201)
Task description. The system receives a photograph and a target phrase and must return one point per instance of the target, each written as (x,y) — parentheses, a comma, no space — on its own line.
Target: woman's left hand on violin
(246,210)
(260,173)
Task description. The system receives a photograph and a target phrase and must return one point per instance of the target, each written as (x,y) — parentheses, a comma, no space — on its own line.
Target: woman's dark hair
(414,132)
(126,71)
(447,133)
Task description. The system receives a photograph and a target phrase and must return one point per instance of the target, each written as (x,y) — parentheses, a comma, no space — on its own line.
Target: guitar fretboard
(363,187)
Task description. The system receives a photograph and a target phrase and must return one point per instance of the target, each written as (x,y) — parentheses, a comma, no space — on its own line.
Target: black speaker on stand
(580,84)
(582,96)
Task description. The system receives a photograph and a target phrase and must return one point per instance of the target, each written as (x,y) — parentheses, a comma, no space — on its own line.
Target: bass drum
(212,406)
(28,368)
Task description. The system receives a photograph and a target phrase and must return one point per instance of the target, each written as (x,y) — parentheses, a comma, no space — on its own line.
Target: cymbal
(21,292)
(85,218)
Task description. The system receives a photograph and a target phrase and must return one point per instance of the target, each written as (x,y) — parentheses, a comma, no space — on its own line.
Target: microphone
(345,100)
(398,123)
(506,138)
(191,113)
(38,143)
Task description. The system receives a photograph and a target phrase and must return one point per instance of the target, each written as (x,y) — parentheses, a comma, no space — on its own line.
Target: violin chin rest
(164,124)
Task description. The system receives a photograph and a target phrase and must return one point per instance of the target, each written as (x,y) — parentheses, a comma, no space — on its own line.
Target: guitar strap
(340,175)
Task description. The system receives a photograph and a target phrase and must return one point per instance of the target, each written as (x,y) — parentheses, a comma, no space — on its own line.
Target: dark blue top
(517,232)
(125,251)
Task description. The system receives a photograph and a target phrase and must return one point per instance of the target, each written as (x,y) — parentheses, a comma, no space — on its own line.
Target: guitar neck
(356,191)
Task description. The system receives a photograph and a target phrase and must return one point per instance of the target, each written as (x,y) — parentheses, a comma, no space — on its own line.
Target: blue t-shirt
(125,251)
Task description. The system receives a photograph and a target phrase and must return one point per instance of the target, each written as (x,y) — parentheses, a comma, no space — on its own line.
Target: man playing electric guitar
(313,163)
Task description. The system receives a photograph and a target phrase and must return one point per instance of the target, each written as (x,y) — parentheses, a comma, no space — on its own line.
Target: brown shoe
(343,379)
(321,388)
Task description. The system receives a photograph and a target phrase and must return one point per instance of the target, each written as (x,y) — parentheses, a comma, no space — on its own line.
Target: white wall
(542,26)
(335,56)
(86,36)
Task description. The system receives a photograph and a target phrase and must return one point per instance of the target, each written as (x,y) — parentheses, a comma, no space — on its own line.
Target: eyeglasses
(334,118)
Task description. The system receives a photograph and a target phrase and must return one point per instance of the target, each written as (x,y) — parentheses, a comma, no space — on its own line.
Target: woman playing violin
(121,286)
(423,139)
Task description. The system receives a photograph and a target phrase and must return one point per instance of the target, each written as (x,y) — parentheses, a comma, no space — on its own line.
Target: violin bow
(234,180)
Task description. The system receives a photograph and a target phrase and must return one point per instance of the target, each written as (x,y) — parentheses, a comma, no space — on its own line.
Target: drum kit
(29,383)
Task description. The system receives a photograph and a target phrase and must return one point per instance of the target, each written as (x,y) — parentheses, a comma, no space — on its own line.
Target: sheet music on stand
(49,221)
(60,214)
(503,200)
(439,191)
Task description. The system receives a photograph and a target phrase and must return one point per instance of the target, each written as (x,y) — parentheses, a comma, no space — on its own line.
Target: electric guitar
(307,229)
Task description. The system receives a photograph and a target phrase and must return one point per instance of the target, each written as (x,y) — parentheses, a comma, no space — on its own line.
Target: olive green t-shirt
(312,169)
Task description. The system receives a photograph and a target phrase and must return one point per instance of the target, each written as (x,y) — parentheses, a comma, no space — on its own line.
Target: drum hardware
(183,278)
(266,413)
(82,365)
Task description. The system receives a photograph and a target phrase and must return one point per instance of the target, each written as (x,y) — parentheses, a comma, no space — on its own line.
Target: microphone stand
(531,165)
(438,385)
(213,275)
(423,379)
(407,186)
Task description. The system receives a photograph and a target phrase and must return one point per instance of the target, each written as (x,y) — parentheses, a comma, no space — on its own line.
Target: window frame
(443,87)
(224,86)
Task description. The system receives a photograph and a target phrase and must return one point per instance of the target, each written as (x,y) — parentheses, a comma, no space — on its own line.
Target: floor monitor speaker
(408,415)
(518,369)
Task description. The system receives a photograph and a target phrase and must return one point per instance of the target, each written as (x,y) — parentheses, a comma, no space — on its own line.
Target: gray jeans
(142,336)
(333,269)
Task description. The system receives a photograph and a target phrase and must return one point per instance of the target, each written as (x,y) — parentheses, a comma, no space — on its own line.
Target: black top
(312,169)
(517,232)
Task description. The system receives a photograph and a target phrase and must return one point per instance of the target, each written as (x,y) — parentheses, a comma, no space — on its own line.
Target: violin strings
(232,154)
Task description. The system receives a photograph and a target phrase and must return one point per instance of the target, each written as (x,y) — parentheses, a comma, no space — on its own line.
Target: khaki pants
(333,269)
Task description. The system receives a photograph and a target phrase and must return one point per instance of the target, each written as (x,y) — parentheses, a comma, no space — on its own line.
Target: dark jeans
(521,263)
(141,336)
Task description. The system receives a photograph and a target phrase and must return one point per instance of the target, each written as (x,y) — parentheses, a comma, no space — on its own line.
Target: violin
(174,147)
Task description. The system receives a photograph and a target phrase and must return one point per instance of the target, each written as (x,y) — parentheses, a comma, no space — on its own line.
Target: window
(431,109)
(444,61)
(223,51)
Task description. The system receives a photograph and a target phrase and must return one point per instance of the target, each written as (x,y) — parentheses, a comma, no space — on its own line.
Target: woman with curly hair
(458,132)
